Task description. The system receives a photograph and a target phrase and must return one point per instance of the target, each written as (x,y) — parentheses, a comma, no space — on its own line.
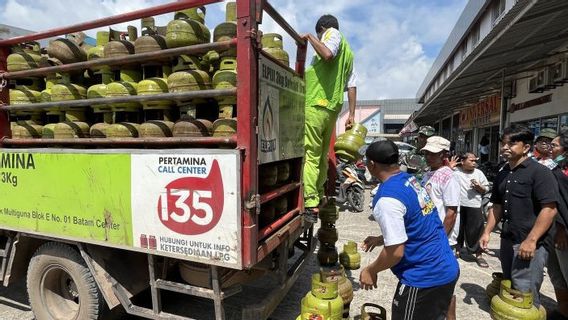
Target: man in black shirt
(524,196)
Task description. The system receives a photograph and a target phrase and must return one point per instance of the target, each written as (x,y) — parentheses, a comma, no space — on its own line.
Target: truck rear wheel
(60,285)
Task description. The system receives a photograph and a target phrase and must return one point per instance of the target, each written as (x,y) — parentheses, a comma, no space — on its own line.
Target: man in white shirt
(442,184)
(473,185)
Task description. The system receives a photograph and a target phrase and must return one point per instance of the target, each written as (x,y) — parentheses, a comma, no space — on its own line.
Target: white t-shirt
(444,189)
(389,213)
(469,196)
(332,39)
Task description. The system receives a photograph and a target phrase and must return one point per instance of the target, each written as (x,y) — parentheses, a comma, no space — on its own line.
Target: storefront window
(549,123)
(538,124)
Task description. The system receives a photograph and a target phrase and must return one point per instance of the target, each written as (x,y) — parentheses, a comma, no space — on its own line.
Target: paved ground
(470,290)
(472,303)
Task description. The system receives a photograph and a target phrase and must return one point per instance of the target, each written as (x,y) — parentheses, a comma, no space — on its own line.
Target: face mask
(560,158)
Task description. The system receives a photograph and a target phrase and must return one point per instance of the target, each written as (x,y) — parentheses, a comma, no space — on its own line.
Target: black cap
(385,152)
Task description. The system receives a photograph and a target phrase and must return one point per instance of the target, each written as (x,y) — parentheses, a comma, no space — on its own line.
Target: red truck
(100,223)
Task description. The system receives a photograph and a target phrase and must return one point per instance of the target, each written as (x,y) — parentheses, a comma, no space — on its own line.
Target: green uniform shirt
(326,80)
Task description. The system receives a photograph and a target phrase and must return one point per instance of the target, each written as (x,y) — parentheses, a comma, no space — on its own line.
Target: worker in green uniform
(413,162)
(329,76)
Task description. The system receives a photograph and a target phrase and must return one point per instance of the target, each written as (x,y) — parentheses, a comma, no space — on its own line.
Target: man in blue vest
(327,78)
(416,248)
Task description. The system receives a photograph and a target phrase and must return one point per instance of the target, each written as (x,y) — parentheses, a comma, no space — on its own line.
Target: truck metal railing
(125,142)
(103,22)
(122,60)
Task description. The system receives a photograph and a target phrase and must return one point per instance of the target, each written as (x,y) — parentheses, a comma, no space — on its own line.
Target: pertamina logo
(193,205)
(268,142)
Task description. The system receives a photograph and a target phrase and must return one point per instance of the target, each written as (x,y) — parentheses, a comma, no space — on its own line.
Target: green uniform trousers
(319,126)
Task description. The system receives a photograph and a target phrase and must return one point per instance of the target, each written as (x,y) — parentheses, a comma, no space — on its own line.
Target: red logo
(193,205)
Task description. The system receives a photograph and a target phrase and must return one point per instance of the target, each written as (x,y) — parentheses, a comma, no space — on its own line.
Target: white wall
(558,105)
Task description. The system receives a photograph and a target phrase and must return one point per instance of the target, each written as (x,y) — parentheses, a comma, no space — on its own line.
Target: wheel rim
(356,200)
(59,293)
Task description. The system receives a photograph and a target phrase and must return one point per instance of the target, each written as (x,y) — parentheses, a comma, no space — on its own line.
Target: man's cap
(547,133)
(426,130)
(384,152)
(436,144)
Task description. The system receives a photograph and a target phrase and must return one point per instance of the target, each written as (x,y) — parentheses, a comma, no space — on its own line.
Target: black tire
(61,286)
(356,198)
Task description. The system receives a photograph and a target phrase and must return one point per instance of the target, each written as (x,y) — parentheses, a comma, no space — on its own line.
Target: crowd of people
(529,197)
(429,220)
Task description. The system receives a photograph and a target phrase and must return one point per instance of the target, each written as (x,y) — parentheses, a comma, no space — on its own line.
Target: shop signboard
(482,113)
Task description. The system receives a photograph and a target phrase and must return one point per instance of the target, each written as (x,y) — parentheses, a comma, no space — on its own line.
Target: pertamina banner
(184,204)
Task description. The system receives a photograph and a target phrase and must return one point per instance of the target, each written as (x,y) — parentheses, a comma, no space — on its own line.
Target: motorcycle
(485,202)
(361,170)
(348,187)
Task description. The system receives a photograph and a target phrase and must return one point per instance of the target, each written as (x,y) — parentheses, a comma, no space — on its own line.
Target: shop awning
(526,36)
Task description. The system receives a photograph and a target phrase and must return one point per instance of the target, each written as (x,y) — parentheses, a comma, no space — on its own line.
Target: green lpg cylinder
(190,80)
(98,130)
(120,47)
(193,128)
(327,254)
(280,206)
(150,40)
(322,300)
(513,304)
(48,131)
(273,45)
(231,11)
(64,90)
(227,30)
(359,130)
(226,78)
(283,169)
(24,57)
(28,129)
(224,127)
(328,234)
(152,86)
(156,128)
(126,87)
(25,95)
(268,175)
(493,288)
(187,29)
(50,81)
(347,146)
(329,213)
(350,258)
(371,311)
(344,285)
(99,91)
(71,130)
(66,51)
(197,14)
(123,130)
(267,215)
(187,81)
(98,51)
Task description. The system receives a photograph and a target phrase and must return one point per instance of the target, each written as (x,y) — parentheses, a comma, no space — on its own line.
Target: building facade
(504,62)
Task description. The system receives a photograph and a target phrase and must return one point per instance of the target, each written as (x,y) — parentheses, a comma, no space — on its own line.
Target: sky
(395,41)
